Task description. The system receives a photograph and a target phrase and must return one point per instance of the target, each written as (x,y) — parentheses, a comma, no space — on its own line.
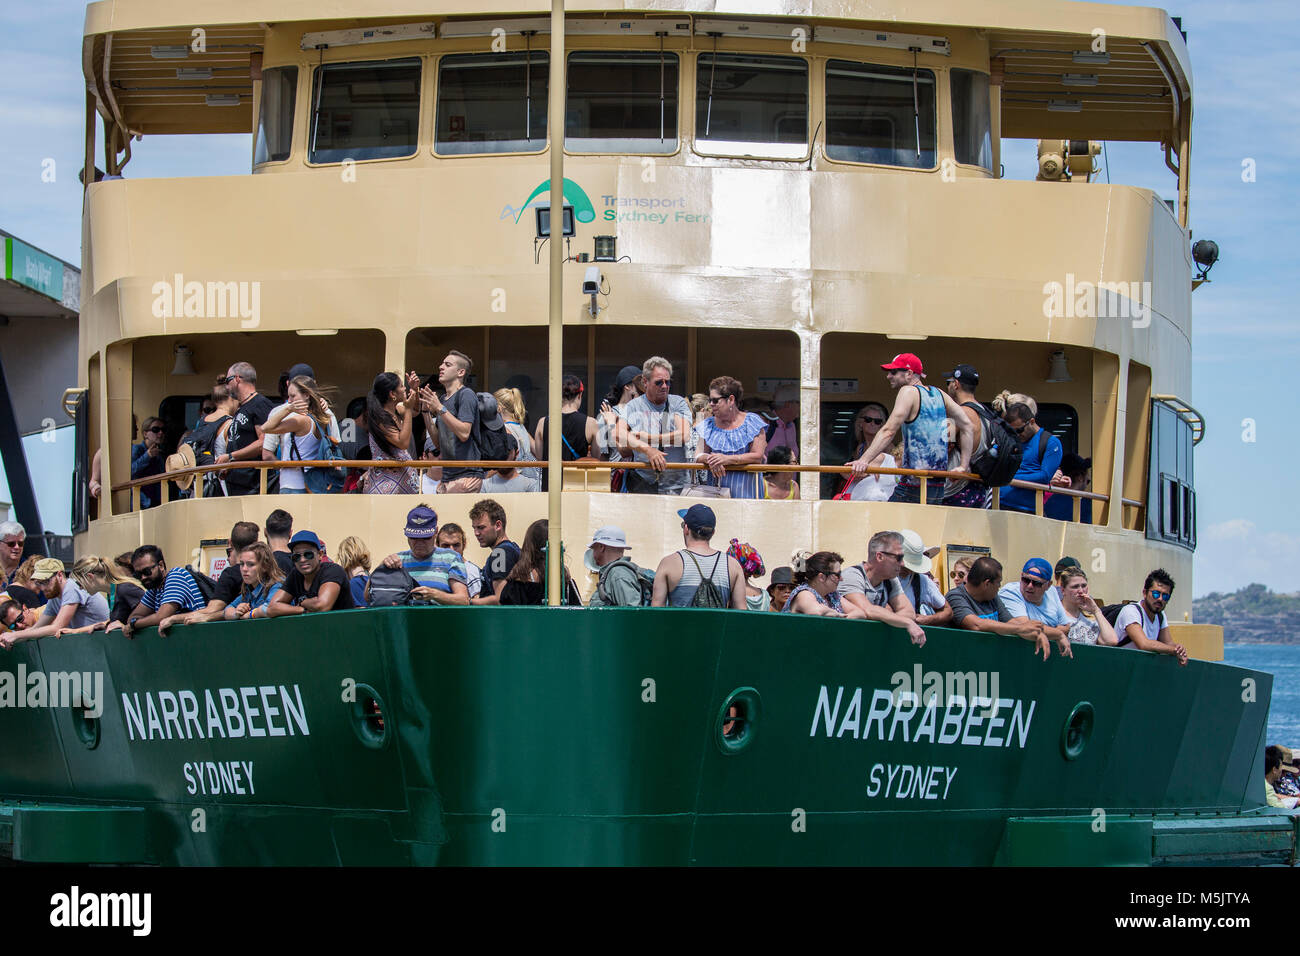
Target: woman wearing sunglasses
(817,580)
(865,426)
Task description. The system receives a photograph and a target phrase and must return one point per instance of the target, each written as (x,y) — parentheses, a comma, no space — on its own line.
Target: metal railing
(586,466)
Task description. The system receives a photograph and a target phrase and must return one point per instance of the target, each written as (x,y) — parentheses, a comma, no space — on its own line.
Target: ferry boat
(786,198)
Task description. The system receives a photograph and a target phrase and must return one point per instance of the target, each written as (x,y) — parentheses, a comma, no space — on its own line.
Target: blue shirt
(178,588)
(1061,507)
(1038,463)
(259,598)
(142,466)
(1049,610)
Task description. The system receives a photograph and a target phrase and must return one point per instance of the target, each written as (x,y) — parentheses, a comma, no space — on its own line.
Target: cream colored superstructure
(802,270)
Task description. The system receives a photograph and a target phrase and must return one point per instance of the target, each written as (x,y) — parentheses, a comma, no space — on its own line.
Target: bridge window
(971,126)
(275,121)
(365,110)
(751,105)
(491,103)
(621,103)
(1171,495)
(880,114)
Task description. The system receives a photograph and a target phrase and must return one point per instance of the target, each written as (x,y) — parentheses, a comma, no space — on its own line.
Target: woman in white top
(304,419)
(872,487)
(1087,624)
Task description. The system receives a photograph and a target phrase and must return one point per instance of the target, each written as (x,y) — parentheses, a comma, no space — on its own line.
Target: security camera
(591,284)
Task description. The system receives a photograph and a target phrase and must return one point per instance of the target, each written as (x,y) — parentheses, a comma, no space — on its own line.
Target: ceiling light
(184,361)
(1092,59)
(1064,106)
(906,336)
(317,331)
(222,99)
(1058,371)
(1079,79)
(179,52)
(194,73)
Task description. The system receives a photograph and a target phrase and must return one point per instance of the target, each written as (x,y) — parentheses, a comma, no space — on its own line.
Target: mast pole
(555,339)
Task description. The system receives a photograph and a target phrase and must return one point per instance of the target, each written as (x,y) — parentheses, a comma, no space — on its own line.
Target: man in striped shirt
(439,573)
(167,592)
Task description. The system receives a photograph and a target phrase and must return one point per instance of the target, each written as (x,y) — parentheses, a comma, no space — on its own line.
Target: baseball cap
(905,360)
(698,516)
(1066,562)
(489,414)
(626,375)
(1037,568)
(46,568)
(965,374)
(421,522)
(302,368)
(306,537)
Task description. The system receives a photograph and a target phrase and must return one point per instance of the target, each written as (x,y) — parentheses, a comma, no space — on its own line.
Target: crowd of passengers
(436,421)
(289,572)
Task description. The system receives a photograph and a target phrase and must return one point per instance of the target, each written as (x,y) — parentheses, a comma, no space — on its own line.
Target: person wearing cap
(619,581)
(655,429)
(779,587)
(921,412)
(872,586)
(439,573)
(1072,474)
(1273,769)
(487,520)
(627,385)
(501,443)
(783,429)
(314,584)
(456,416)
(976,606)
(1142,625)
(168,591)
(70,605)
(1041,454)
(679,574)
(1058,572)
(965,492)
(1033,598)
(918,587)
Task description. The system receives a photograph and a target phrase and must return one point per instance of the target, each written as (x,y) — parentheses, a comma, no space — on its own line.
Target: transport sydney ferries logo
(574,195)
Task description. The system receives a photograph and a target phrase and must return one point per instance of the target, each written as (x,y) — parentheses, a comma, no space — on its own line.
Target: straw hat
(184,458)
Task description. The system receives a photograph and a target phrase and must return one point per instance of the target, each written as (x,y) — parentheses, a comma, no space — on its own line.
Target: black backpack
(644,577)
(707,594)
(207,587)
(1000,460)
(390,587)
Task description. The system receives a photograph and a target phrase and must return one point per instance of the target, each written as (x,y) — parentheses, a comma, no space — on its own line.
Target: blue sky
(1247,98)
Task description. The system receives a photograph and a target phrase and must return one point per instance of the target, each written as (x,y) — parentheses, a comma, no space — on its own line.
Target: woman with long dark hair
(525,584)
(817,579)
(390,413)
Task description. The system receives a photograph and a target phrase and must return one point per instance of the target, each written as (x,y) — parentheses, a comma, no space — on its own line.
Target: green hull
(553,736)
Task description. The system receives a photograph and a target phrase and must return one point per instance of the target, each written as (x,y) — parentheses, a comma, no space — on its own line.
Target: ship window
(275,121)
(971,126)
(365,110)
(1171,496)
(621,103)
(491,103)
(880,114)
(751,105)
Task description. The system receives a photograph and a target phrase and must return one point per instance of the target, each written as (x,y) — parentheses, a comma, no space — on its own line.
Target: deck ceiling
(1132,100)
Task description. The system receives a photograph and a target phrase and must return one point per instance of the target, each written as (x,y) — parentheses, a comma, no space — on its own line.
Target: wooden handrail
(590,464)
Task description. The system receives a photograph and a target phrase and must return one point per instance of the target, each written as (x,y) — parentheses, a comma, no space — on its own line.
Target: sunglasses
(1018,431)
(1160,595)
(662,383)
(12,544)
(1032,582)
(871,421)
(896,555)
(157,429)
(714,401)
(145,572)
(304,555)
(832,574)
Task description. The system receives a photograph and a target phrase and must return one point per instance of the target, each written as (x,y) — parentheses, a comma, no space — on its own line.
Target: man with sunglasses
(1034,599)
(13,538)
(313,585)
(244,439)
(167,591)
(147,459)
(654,429)
(1040,457)
(1142,625)
(976,606)
(872,586)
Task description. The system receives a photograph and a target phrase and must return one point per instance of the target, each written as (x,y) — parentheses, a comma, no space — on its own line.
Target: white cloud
(1234,553)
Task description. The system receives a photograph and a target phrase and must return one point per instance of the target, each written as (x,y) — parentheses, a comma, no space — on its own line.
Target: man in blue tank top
(922,412)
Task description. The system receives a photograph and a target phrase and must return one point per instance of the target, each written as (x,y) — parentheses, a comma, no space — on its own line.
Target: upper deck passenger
(244,439)
(655,429)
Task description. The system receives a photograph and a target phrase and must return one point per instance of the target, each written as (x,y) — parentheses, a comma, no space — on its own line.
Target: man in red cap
(922,412)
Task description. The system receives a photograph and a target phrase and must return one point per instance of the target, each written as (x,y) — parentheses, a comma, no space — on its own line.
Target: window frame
(437,93)
(938,140)
(1171,519)
(680,135)
(952,115)
(421,61)
(699,146)
(293,124)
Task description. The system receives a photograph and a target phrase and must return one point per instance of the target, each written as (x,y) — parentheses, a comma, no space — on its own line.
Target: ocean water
(1283,662)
